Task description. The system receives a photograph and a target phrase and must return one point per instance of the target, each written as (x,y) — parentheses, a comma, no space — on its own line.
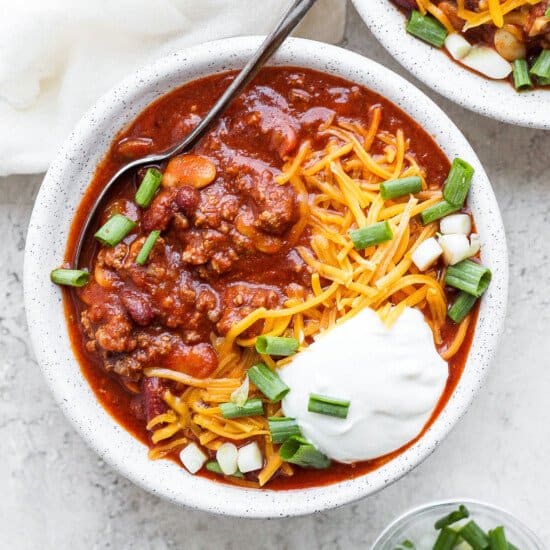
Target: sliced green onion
(214,467)
(497,539)
(330,406)
(301,452)
(276,345)
(461,307)
(393,189)
(69,277)
(543,81)
(453,517)
(282,428)
(541,67)
(148,187)
(427,28)
(468,276)
(458,182)
(474,535)
(370,235)
(252,407)
(437,211)
(547,13)
(114,230)
(268,382)
(406,545)
(522,79)
(446,540)
(147,247)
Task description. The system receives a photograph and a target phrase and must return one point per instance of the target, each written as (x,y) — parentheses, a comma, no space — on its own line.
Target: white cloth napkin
(58,56)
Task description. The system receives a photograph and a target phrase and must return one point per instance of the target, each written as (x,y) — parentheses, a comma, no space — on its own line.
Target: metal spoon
(288,22)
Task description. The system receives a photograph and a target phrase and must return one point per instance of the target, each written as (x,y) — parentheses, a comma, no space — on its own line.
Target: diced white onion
(250,458)
(226,455)
(456,223)
(457,46)
(455,248)
(488,62)
(475,244)
(193,458)
(426,254)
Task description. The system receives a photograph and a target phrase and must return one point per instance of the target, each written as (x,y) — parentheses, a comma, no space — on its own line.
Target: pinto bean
(133,148)
(191,170)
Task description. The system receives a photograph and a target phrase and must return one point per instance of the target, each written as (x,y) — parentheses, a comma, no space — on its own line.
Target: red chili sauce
(163,313)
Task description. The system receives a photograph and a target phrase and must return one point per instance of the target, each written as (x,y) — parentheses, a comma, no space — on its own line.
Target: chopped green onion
(458,182)
(521,74)
(547,13)
(301,452)
(437,211)
(393,189)
(541,67)
(147,247)
(114,230)
(497,539)
(406,545)
(461,307)
(252,407)
(282,428)
(543,81)
(276,345)
(148,187)
(453,517)
(370,235)
(330,406)
(474,535)
(69,277)
(468,276)
(427,28)
(446,540)
(268,382)
(214,467)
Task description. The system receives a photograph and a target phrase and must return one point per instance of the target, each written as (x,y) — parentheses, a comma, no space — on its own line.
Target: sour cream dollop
(393,377)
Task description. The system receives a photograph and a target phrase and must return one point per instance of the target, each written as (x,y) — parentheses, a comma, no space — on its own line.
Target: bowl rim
(46,240)
(492,98)
(416,510)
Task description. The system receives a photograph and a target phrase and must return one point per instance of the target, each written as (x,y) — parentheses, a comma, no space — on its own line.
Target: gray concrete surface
(57,494)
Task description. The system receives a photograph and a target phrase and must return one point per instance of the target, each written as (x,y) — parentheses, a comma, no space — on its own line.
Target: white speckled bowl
(68,177)
(492,98)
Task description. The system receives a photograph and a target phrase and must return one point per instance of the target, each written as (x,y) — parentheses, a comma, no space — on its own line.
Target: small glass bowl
(418,525)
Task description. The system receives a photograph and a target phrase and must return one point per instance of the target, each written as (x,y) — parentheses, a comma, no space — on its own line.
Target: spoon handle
(269,46)
(288,22)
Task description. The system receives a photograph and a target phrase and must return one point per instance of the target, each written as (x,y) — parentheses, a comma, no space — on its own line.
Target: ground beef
(241,299)
(274,205)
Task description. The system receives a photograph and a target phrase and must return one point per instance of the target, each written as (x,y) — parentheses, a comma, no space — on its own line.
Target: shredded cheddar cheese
(493,15)
(338,190)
